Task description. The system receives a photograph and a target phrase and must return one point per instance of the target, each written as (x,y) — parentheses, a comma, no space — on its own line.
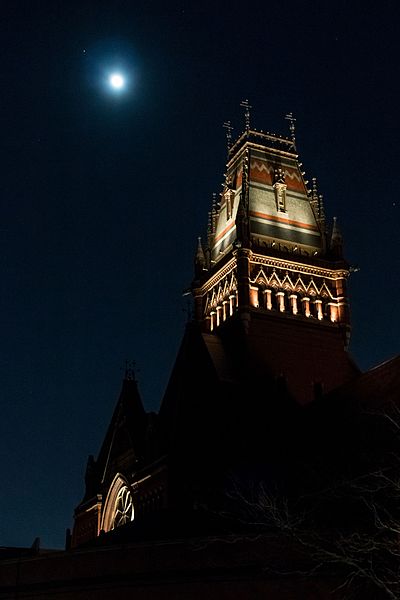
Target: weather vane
(245,104)
(289,117)
(228,128)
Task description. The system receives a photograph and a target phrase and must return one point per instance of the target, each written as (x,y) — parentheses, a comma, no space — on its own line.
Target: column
(268,299)
(232,298)
(280,298)
(225,310)
(333,312)
(318,309)
(254,296)
(306,306)
(293,303)
(212,320)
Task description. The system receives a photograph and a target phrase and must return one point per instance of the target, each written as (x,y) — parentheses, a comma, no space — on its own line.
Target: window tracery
(124,510)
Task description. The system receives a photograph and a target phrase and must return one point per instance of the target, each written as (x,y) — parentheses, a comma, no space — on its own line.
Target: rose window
(124,510)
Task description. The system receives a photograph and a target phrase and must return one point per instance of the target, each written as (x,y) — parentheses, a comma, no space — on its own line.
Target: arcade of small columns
(276,292)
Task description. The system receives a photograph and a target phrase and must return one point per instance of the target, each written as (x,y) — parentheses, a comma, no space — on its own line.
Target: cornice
(277,263)
(252,145)
(220,274)
(298,267)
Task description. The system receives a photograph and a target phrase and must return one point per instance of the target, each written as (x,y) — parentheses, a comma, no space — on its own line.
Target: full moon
(116,81)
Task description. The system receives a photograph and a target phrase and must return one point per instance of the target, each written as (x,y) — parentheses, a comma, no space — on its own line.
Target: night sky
(103,196)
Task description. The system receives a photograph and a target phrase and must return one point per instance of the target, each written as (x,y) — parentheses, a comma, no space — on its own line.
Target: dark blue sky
(102,198)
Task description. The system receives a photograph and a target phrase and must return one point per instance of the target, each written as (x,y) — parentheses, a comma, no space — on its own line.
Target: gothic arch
(287,283)
(275,281)
(325,292)
(107,519)
(312,289)
(299,286)
(261,281)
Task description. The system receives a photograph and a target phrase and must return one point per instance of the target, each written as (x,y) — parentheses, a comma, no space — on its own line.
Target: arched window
(124,511)
(118,508)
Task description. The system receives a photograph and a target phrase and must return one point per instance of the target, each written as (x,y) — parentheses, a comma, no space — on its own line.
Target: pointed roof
(267,177)
(125,438)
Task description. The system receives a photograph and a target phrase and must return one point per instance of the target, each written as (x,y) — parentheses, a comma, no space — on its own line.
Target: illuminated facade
(268,247)
(269,335)
(119,490)
(270,256)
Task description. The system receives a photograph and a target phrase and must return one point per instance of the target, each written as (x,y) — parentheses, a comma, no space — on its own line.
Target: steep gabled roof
(191,387)
(125,438)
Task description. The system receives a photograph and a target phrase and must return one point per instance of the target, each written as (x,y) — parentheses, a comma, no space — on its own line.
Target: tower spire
(274,256)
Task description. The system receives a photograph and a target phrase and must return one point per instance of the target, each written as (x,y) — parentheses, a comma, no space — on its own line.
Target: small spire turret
(200,259)
(336,242)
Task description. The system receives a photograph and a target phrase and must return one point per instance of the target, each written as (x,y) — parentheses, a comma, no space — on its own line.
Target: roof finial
(245,104)
(228,128)
(289,117)
(130,370)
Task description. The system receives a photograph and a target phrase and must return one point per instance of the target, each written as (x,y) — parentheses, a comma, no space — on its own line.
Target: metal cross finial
(130,370)
(228,128)
(289,117)
(245,104)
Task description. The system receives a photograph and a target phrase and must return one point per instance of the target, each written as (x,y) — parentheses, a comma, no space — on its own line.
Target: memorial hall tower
(269,337)
(272,260)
